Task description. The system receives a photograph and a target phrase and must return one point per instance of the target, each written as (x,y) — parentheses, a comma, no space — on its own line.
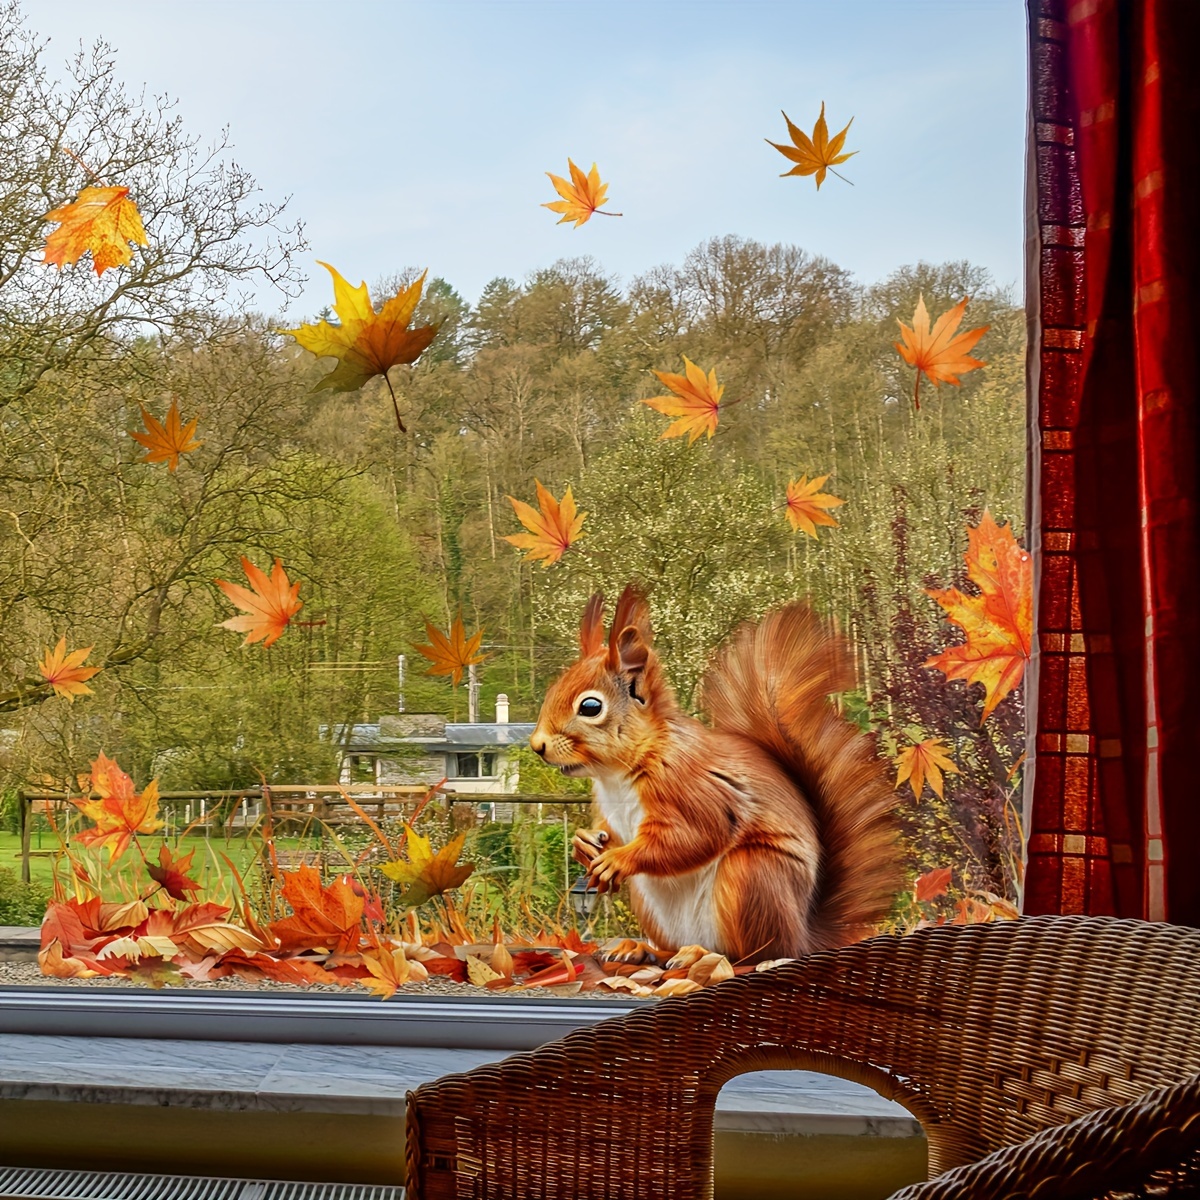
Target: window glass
(303,505)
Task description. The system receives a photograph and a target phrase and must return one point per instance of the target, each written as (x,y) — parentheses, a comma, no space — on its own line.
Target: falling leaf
(695,400)
(63,672)
(942,356)
(427,874)
(581,197)
(815,155)
(553,526)
(366,343)
(100,219)
(120,812)
(932,884)
(924,761)
(998,622)
(451,655)
(268,608)
(806,505)
(390,969)
(171,873)
(166,442)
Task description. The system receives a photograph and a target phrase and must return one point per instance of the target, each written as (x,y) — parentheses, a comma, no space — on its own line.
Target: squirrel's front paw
(587,844)
(609,868)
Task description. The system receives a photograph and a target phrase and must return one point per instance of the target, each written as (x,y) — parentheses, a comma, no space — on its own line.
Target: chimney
(400,673)
(502,709)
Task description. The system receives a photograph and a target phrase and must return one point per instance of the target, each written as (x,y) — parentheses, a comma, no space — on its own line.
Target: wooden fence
(303,804)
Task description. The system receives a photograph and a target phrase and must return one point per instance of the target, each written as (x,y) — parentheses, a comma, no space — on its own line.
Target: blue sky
(417,132)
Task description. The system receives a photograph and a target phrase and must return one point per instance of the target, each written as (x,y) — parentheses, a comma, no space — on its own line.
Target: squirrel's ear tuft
(591,631)
(632,652)
(632,609)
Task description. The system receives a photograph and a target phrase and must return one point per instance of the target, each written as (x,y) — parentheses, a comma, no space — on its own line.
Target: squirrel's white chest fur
(680,905)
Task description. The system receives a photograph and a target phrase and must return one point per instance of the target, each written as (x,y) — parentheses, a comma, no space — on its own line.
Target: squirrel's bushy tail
(771,683)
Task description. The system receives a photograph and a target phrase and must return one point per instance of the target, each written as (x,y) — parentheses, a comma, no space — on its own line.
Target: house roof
(461,736)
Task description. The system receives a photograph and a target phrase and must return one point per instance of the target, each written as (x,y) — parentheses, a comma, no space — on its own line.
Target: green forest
(540,379)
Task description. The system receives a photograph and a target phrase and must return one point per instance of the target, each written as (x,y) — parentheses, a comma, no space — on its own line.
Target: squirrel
(769,834)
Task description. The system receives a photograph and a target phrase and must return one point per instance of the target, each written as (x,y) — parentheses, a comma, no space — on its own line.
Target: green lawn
(44,846)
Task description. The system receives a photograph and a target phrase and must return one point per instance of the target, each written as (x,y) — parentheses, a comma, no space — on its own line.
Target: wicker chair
(1005,1040)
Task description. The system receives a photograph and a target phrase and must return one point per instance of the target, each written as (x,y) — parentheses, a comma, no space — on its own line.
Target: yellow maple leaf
(998,622)
(390,970)
(807,505)
(63,672)
(942,356)
(815,155)
(366,343)
(581,197)
(695,400)
(451,655)
(427,874)
(120,812)
(924,761)
(268,608)
(100,219)
(166,441)
(553,526)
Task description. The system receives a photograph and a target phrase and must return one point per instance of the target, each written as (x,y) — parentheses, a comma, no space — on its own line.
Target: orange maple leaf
(166,442)
(806,505)
(942,356)
(933,884)
(427,874)
(100,219)
(172,873)
(552,530)
(581,197)
(120,812)
(998,622)
(695,401)
(268,608)
(924,761)
(367,343)
(322,916)
(815,155)
(451,655)
(63,672)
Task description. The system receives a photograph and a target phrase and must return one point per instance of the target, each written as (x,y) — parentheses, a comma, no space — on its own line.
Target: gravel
(28,974)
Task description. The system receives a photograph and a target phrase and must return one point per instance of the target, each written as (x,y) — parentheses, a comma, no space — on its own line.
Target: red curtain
(1113,812)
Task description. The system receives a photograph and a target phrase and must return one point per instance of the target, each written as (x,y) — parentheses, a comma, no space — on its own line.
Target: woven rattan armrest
(986,1034)
(1153,1142)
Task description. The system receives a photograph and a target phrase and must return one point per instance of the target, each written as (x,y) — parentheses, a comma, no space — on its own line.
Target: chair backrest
(986,1033)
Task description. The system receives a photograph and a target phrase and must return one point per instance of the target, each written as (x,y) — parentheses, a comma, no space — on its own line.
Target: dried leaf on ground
(166,441)
(390,969)
(100,219)
(924,761)
(451,655)
(712,968)
(323,915)
(65,673)
(815,155)
(267,608)
(427,874)
(581,197)
(553,526)
(366,343)
(939,353)
(807,505)
(695,399)
(998,622)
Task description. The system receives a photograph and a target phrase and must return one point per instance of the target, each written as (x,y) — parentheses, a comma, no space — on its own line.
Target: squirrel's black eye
(589,706)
